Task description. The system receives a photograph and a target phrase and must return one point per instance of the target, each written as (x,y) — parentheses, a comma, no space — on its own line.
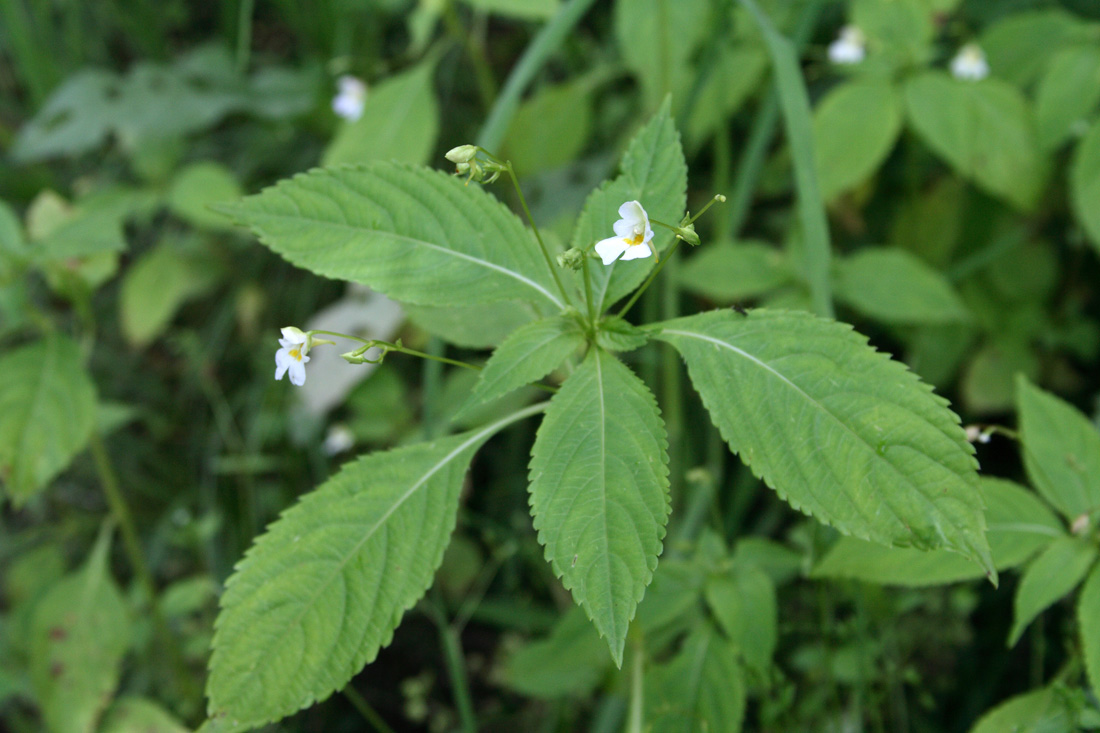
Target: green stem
(535,229)
(244,34)
(588,294)
(456,667)
(672,387)
(635,721)
(483,73)
(400,348)
(369,714)
(432,381)
(545,43)
(656,271)
(752,162)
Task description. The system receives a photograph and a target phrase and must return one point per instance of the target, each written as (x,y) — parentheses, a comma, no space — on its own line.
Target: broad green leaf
(1088,619)
(198,186)
(653,173)
(522,9)
(413,234)
(700,689)
(550,129)
(1051,576)
(570,661)
(1061,450)
(987,383)
(74,119)
(599,491)
(840,431)
(480,326)
(1068,92)
(91,226)
(901,31)
(1084,184)
(159,283)
(138,715)
(984,130)
(656,39)
(400,122)
(780,562)
(47,411)
(527,355)
(322,590)
(673,600)
(855,127)
(617,334)
(1019,523)
(1040,711)
(1019,46)
(930,224)
(727,272)
(79,632)
(894,286)
(744,604)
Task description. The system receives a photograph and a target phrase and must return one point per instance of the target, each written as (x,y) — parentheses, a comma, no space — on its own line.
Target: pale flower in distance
(632,236)
(350,99)
(969,63)
(849,47)
(292,356)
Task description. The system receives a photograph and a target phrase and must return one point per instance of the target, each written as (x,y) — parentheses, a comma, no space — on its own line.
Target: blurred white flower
(350,98)
(292,356)
(632,236)
(849,47)
(338,439)
(969,63)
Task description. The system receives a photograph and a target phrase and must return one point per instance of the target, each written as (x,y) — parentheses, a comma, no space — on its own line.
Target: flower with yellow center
(632,236)
(292,357)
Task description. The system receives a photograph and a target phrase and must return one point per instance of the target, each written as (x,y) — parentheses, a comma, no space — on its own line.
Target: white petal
(280,370)
(609,249)
(293,335)
(297,374)
(623,228)
(637,251)
(633,212)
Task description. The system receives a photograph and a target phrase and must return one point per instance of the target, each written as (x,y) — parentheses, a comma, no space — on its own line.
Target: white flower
(969,63)
(849,47)
(292,356)
(632,236)
(351,98)
(338,439)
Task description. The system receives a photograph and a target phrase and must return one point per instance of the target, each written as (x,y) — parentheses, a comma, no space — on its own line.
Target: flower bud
(571,259)
(687,233)
(462,154)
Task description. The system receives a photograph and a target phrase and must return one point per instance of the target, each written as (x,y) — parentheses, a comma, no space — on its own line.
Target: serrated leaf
(599,491)
(744,604)
(984,130)
(700,689)
(1068,92)
(400,122)
(1019,525)
(727,272)
(840,431)
(1061,450)
(656,39)
(894,286)
(1084,184)
(414,234)
(1052,575)
(1088,619)
(138,715)
(481,326)
(322,590)
(1040,711)
(616,334)
(570,661)
(47,412)
(79,633)
(855,126)
(527,355)
(653,173)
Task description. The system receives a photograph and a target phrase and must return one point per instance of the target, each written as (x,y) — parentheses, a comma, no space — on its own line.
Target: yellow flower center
(296,353)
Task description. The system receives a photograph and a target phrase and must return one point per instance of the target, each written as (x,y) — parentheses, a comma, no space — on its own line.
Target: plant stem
(535,229)
(752,162)
(483,74)
(369,714)
(636,716)
(244,34)
(432,382)
(400,348)
(656,271)
(588,294)
(456,667)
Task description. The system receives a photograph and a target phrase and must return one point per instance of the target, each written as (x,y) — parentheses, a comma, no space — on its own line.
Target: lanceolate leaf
(528,354)
(1050,577)
(653,173)
(414,234)
(599,491)
(1088,618)
(323,589)
(701,689)
(1040,711)
(47,411)
(1061,450)
(895,286)
(841,431)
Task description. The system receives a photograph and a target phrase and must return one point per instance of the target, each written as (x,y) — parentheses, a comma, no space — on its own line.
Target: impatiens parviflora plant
(840,431)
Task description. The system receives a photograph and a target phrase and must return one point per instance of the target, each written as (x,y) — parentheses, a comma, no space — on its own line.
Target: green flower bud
(687,233)
(462,154)
(571,259)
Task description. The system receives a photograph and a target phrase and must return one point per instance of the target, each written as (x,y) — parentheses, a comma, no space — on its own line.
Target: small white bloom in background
(849,47)
(632,236)
(292,356)
(338,439)
(350,99)
(969,63)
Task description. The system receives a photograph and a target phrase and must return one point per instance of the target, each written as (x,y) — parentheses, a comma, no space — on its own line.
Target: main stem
(656,271)
(535,229)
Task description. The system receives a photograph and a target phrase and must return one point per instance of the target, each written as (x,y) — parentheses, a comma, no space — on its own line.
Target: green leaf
(616,334)
(1067,94)
(198,186)
(736,73)
(700,689)
(1019,523)
(155,287)
(413,234)
(481,326)
(839,430)
(599,491)
(79,633)
(1050,577)
(13,247)
(984,130)
(527,355)
(656,39)
(1040,711)
(901,31)
(1019,46)
(322,590)
(138,715)
(855,127)
(1061,450)
(894,286)
(400,122)
(47,411)
(1088,619)
(987,383)
(1084,184)
(522,9)
(653,173)
(744,604)
(550,129)
(570,661)
(727,272)
(929,224)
